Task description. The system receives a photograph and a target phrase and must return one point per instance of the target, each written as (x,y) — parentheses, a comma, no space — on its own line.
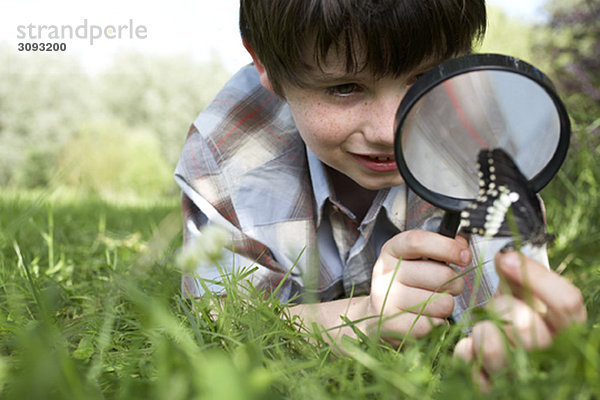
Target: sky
(200,28)
(526,9)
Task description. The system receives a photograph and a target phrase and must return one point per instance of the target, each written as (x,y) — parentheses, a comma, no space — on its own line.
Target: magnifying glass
(474,102)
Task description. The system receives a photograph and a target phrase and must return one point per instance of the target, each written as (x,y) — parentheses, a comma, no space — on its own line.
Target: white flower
(207,246)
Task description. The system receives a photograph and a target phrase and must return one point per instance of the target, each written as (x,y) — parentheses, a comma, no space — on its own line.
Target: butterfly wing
(502,187)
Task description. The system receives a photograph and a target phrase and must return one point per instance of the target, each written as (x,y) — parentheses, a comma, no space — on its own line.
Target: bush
(571,42)
(161,95)
(43,100)
(107,158)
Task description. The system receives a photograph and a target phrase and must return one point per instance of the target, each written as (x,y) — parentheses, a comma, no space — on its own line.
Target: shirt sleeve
(211,275)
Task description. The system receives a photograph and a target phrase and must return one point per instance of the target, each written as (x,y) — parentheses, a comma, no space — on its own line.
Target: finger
(393,328)
(411,300)
(525,327)
(489,347)
(513,289)
(411,245)
(430,275)
(463,241)
(464,350)
(563,300)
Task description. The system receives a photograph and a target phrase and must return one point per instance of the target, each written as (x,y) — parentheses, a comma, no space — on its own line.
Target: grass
(90,308)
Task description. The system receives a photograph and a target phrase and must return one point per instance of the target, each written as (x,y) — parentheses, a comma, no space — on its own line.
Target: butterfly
(507,205)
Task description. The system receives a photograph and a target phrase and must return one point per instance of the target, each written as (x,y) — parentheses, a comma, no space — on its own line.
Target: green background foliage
(90,305)
(105,157)
(58,123)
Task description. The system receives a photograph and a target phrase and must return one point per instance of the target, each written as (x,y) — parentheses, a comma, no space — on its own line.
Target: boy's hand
(537,303)
(419,294)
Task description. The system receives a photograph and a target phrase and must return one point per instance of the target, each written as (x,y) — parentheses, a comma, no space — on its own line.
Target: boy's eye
(343,90)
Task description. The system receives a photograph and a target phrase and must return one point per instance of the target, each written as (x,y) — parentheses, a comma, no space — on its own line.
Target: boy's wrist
(332,316)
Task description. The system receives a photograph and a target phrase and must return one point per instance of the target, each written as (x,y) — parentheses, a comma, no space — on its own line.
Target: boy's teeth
(380,158)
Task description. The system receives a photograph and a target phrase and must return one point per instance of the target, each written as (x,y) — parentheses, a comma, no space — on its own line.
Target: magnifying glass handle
(449,224)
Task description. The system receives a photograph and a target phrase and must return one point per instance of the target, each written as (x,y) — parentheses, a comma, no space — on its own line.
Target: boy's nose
(379,127)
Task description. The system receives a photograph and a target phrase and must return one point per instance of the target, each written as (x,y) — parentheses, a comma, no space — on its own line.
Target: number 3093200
(42,46)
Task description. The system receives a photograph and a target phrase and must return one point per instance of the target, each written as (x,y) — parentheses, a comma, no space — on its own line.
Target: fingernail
(511,260)
(465,256)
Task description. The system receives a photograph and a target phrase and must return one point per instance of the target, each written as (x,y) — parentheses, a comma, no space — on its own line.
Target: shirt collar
(322,189)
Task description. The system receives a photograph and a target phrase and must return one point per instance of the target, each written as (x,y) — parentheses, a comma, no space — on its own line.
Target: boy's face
(347,120)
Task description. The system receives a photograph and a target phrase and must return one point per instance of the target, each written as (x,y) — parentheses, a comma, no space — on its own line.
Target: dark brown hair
(388,37)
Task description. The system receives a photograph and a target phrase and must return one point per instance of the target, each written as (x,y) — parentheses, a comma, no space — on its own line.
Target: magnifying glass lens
(447,128)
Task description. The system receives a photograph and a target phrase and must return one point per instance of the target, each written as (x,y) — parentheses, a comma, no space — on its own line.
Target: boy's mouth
(377,162)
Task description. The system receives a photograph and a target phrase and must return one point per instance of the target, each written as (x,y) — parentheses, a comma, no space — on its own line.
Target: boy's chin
(378,184)
(359,179)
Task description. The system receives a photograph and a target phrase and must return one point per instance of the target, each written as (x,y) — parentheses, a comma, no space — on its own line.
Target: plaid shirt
(244,167)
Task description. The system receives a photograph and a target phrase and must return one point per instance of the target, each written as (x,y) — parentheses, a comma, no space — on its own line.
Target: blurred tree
(571,42)
(49,106)
(108,158)
(161,95)
(508,35)
(43,99)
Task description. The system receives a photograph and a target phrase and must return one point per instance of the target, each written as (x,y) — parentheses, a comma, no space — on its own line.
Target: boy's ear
(262,72)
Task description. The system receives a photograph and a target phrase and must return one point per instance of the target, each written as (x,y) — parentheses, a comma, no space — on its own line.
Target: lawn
(91,308)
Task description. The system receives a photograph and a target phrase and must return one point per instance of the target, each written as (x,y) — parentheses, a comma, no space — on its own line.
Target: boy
(295,158)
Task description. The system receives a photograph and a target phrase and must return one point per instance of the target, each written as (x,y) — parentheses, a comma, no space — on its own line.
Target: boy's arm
(328,315)
(536,302)
(412,290)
